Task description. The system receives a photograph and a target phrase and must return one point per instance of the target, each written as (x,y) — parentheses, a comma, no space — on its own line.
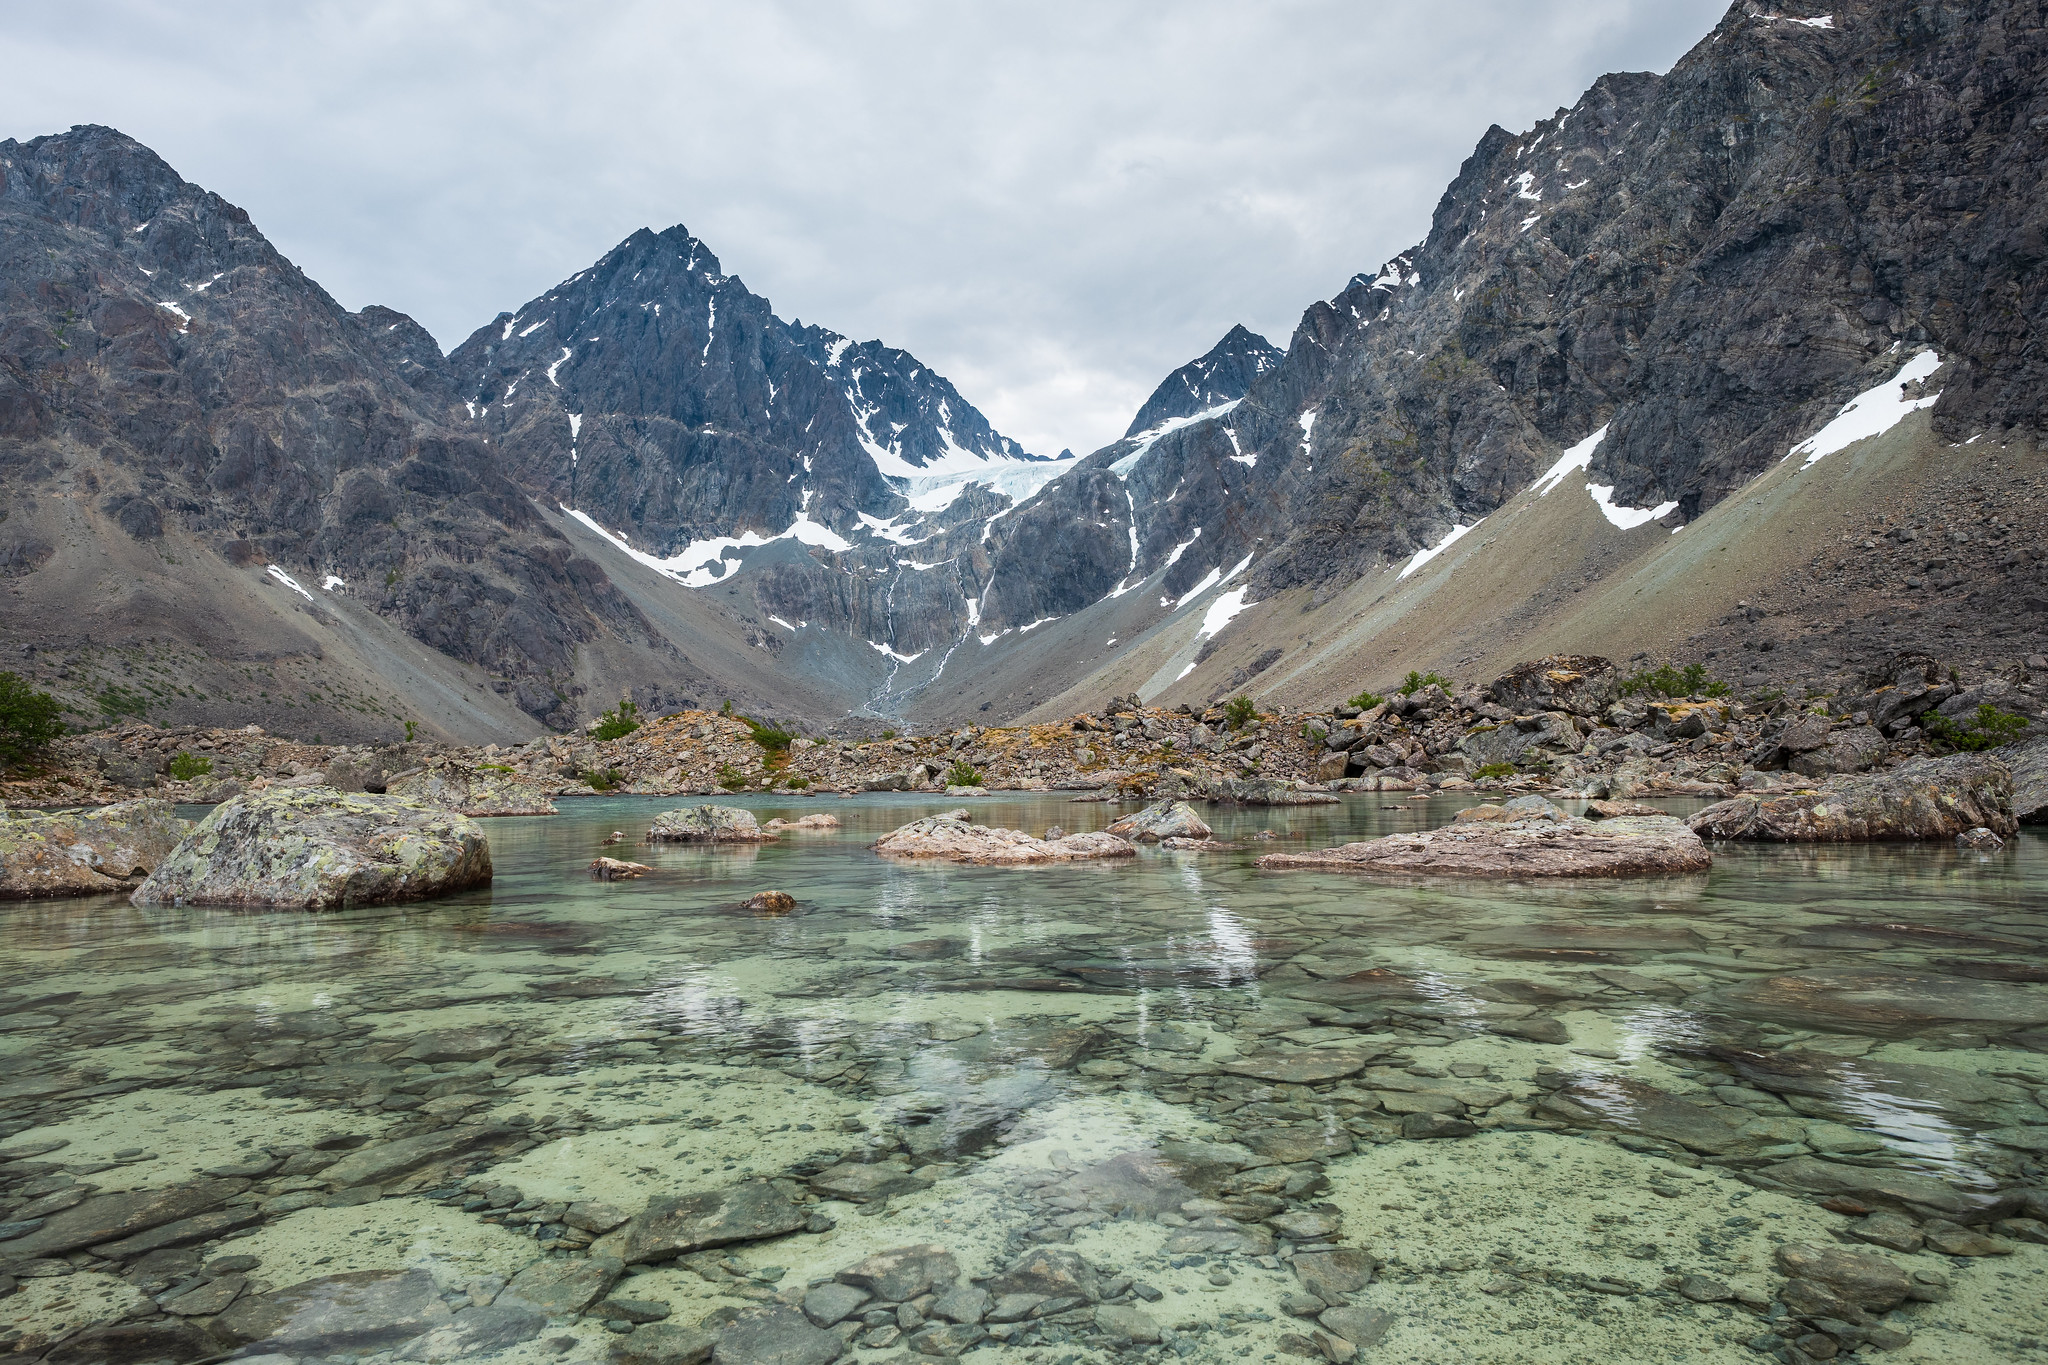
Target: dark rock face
(1222,376)
(156,349)
(1933,798)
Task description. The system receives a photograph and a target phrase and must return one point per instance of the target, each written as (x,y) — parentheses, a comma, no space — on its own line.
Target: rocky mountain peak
(1223,375)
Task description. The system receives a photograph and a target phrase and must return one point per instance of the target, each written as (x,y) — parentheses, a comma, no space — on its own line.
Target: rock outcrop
(952,839)
(314,848)
(1522,843)
(1161,820)
(707,825)
(1937,798)
(474,789)
(85,853)
(2028,764)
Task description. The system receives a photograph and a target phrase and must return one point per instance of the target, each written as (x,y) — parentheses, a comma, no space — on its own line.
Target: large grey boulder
(314,848)
(1582,684)
(707,825)
(473,790)
(1519,844)
(953,839)
(365,1310)
(83,853)
(1854,750)
(671,1225)
(1161,820)
(1934,798)
(2028,764)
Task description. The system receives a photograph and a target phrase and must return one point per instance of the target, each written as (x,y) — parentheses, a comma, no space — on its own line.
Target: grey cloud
(1052,203)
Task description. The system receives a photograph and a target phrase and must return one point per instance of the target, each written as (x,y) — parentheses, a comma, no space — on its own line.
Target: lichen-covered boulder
(1162,820)
(1496,842)
(84,853)
(951,838)
(474,790)
(1933,798)
(314,848)
(1582,684)
(707,825)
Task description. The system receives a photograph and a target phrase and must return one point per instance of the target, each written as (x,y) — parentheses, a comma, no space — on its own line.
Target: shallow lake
(1536,1107)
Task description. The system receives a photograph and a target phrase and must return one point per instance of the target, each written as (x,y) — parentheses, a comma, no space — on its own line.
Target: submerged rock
(85,853)
(365,1310)
(673,1224)
(1621,1104)
(903,1273)
(1935,798)
(314,848)
(616,870)
(770,1334)
(1873,1001)
(1241,791)
(1161,820)
(707,825)
(1520,844)
(474,790)
(951,838)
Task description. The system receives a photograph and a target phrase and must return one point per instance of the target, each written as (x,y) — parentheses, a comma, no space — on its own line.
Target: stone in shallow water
(389,1161)
(1054,1272)
(1644,938)
(1432,1125)
(1930,798)
(1298,1068)
(569,1286)
(1870,1001)
(1362,1327)
(1887,1230)
(902,1273)
(967,1303)
(862,1183)
(1287,1145)
(200,1227)
(85,853)
(152,1340)
(1331,1275)
(365,1310)
(1624,846)
(1951,1239)
(663,1343)
(1122,1323)
(475,1331)
(673,1224)
(111,1217)
(946,1339)
(1849,1088)
(955,840)
(771,1334)
(1869,1281)
(707,825)
(1307,1225)
(458,1044)
(827,1304)
(1161,820)
(1620,1103)
(314,848)
(1918,1195)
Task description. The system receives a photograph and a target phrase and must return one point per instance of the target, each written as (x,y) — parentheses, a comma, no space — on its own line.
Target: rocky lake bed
(1168,1105)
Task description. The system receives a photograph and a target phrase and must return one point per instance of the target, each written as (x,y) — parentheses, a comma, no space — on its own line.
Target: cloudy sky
(1053,203)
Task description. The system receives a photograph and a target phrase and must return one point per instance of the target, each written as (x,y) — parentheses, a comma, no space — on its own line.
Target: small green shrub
(797,783)
(772,739)
(617,723)
(1492,770)
(1668,682)
(725,708)
(411,729)
(185,767)
(731,778)
(494,767)
(604,780)
(28,718)
(1415,682)
(1987,728)
(1239,712)
(888,734)
(1365,701)
(963,774)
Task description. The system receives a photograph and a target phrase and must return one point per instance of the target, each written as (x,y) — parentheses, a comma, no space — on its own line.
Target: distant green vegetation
(963,774)
(116,701)
(731,778)
(1415,682)
(617,723)
(1365,701)
(1666,681)
(1239,712)
(773,739)
(1986,728)
(604,780)
(28,719)
(1491,770)
(185,767)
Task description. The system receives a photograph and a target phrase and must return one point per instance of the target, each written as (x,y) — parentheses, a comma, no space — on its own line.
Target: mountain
(1562,422)
(1222,376)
